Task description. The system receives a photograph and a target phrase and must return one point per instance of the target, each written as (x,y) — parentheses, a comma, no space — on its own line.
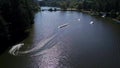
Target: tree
(63,5)
(16,17)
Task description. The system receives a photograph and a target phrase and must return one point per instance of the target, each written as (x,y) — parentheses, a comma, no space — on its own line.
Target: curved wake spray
(15,49)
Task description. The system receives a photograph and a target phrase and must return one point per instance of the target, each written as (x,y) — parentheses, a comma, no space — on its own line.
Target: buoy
(78,19)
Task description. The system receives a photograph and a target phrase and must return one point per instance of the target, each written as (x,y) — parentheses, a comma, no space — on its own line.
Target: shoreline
(116,20)
(99,14)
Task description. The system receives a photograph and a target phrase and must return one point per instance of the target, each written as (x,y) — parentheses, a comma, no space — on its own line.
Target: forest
(16,18)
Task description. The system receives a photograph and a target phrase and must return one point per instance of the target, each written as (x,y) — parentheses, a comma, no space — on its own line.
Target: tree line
(16,17)
(110,7)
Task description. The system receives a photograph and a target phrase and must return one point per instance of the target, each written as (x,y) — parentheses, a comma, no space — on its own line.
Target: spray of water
(14,50)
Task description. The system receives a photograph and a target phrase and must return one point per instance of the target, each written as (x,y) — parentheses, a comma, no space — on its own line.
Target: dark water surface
(77,45)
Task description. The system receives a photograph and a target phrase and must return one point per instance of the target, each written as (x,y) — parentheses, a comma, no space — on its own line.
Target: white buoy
(91,22)
(78,19)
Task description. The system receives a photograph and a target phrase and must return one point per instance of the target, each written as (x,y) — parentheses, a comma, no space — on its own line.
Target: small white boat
(91,22)
(104,15)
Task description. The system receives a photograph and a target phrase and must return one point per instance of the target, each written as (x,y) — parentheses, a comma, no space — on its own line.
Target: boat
(64,25)
(91,22)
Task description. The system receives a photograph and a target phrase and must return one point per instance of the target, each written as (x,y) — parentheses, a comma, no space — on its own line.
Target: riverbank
(116,20)
(57,9)
(103,15)
(100,14)
(114,16)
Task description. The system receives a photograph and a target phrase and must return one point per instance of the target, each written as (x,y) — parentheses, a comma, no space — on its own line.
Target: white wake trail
(39,46)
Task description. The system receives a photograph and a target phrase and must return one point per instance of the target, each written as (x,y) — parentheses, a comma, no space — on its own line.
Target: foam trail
(40,45)
(44,51)
(14,50)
